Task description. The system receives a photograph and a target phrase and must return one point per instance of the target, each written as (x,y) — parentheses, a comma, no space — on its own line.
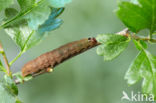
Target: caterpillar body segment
(50,59)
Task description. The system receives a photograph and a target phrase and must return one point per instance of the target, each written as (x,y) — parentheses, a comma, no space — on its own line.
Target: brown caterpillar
(51,59)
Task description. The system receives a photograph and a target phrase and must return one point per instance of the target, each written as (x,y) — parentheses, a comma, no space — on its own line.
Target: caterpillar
(51,59)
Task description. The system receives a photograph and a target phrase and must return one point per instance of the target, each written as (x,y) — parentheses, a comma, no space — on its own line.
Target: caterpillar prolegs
(55,57)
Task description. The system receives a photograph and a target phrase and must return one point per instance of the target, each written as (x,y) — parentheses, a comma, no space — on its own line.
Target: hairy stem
(19,55)
(143,38)
(5,60)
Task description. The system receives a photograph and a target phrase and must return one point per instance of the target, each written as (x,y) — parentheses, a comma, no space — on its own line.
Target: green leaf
(28,78)
(2,67)
(138,16)
(20,35)
(38,12)
(10,85)
(35,11)
(143,67)
(5,3)
(52,23)
(8,90)
(144,44)
(25,4)
(5,96)
(18,77)
(140,44)
(25,37)
(18,101)
(10,12)
(37,16)
(0,63)
(112,45)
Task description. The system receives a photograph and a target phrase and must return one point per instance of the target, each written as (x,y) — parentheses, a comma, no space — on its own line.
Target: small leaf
(18,101)
(138,14)
(5,96)
(10,12)
(5,3)
(110,38)
(52,23)
(18,76)
(112,45)
(27,78)
(1,63)
(8,90)
(143,67)
(10,84)
(1,66)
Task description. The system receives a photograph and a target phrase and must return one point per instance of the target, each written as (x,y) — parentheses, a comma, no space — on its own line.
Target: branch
(143,38)
(5,60)
(58,58)
(19,55)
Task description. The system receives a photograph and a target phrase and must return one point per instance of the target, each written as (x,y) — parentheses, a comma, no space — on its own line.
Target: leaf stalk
(5,60)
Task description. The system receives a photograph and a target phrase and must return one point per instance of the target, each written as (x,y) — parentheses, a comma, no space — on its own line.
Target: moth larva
(52,58)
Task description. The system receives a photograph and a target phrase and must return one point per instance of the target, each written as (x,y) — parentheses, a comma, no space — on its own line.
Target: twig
(5,59)
(23,49)
(124,32)
(19,55)
(143,38)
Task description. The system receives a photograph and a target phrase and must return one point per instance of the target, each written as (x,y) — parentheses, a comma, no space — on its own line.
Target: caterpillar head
(28,69)
(93,41)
